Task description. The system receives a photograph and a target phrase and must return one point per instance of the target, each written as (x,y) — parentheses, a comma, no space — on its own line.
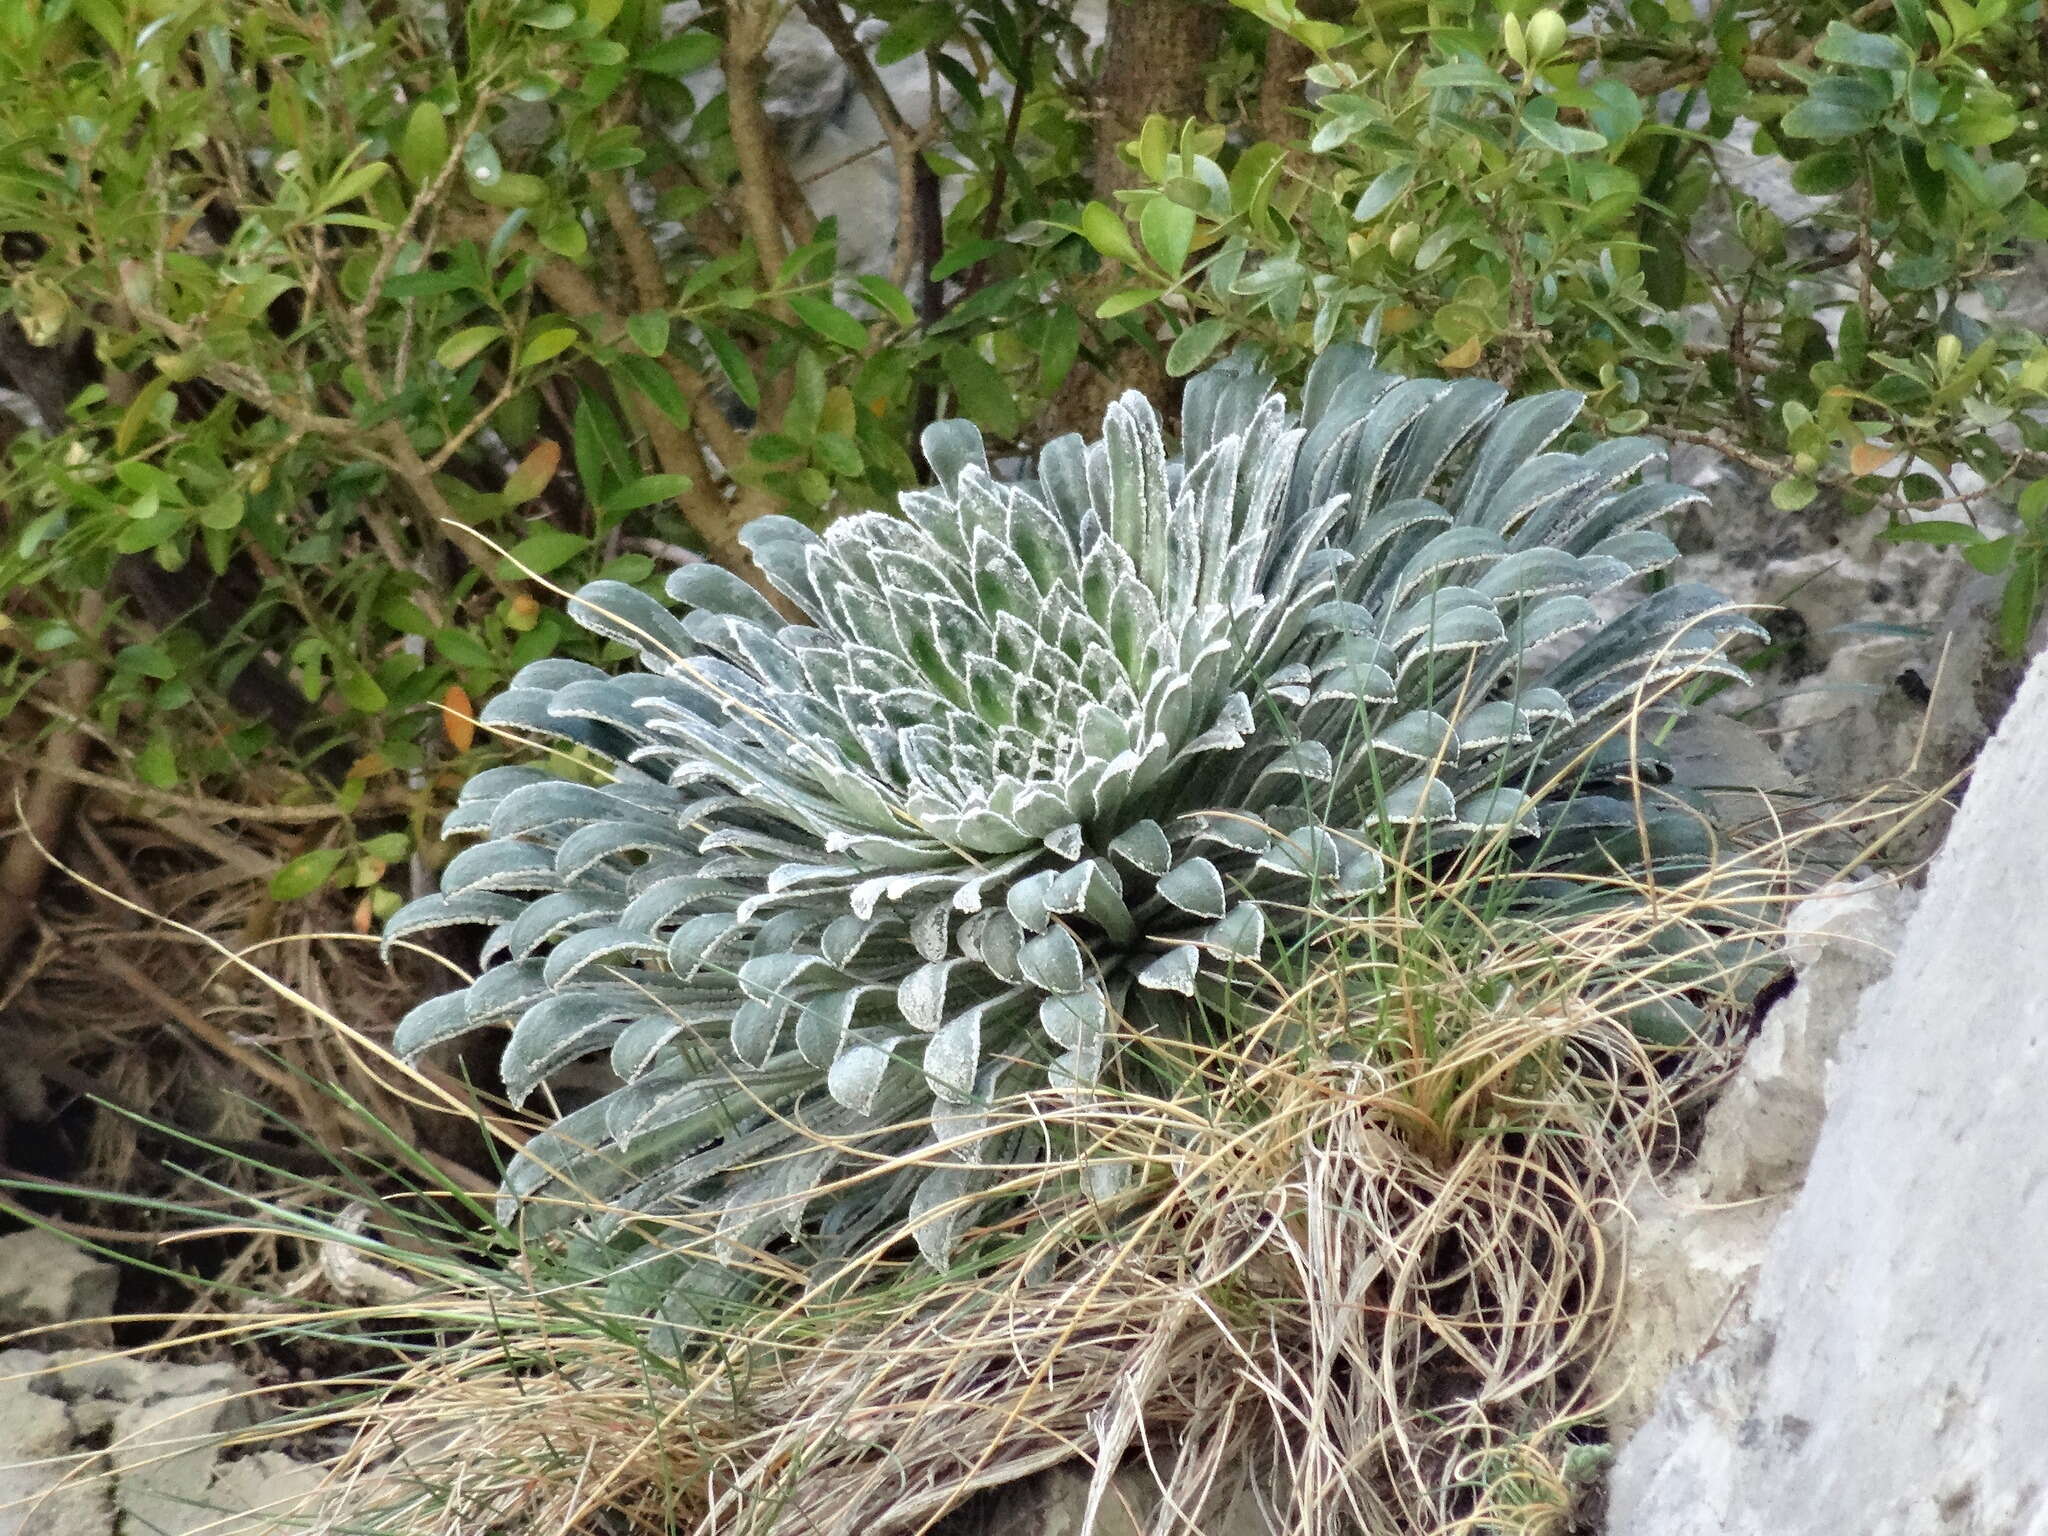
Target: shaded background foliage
(337,334)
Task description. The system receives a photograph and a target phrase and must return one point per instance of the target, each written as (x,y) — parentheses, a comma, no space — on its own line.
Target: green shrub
(1495,193)
(354,328)
(307,291)
(1043,756)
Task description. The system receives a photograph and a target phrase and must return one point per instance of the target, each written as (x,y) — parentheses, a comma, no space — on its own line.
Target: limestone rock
(1887,1377)
(1693,1244)
(1055,1503)
(1760,1134)
(93,1444)
(49,1286)
(46,1485)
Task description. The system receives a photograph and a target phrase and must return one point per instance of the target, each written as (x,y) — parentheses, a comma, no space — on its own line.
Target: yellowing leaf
(138,412)
(458,718)
(1101,228)
(1869,458)
(534,472)
(465,344)
(549,343)
(1464,355)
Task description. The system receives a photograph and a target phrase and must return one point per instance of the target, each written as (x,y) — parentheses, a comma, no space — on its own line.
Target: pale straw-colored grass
(1357,1264)
(1354,1270)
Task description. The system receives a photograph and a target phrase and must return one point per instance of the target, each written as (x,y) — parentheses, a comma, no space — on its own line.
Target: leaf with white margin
(952,1057)
(1195,887)
(1174,971)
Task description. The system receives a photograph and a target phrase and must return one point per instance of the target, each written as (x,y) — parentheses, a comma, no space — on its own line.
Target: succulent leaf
(1040,753)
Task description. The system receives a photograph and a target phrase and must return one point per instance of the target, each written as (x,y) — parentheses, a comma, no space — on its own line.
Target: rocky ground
(96,1442)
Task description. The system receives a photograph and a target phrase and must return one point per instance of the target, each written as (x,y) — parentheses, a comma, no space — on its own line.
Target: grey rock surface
(837,148)
(94,1443)
(53,1291)
(1890,1376)
(1694,1241)
(46,1487)
(1885,672)
(1055,1503)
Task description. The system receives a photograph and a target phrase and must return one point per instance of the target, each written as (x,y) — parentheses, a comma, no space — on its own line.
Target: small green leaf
(982,395)
(1123,302)
(888,298)
(305,874)
(1167,230)
(567,238)
(683,54)
(1930,187)
(1191,348)
(1153,147)
(480,159)
(388,846)
(458,349)
(510,189)
(1727,88)
(918,30)
(645,492)
(156,764)
(1994,556)
(460,648)
(1828,115)
(1843,44)
(1934,531)
(1826,173)
(1058,347)
(353,185)
(535,555)
(43,526)
(1791,495)
(653,381)
(1539,121)
(732,362)
(1101,228)
(548,344)
(831,322)
(960,257)
(149,660)
(1382,193)
(649,330)
(423,147)
(1252,182)
(2020,604)
(361,692)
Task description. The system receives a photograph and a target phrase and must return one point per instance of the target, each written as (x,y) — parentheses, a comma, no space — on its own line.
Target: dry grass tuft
(1356,1262)
(1350,1275)
(143,1026)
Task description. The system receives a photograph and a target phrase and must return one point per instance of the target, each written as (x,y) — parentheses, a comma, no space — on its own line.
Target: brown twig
(749,24)
(42,810)
(905,143)
(224,810)
(716,520)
